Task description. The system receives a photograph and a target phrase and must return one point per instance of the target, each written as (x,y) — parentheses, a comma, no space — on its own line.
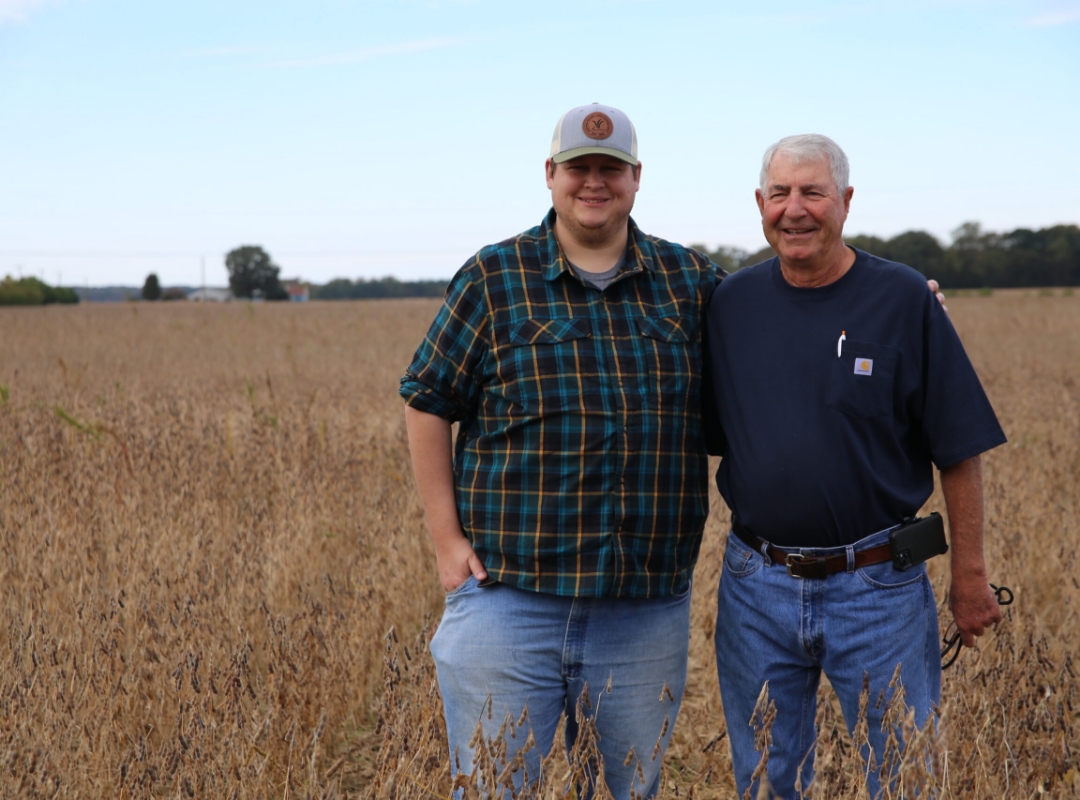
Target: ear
(636,171)
(760,201)
(848,192)
(549,172)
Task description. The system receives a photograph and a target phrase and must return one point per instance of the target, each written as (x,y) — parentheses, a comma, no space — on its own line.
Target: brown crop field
(215,580)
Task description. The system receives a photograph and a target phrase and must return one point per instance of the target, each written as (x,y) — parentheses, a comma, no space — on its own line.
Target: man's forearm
(433,466)
(963,489)
(972,602)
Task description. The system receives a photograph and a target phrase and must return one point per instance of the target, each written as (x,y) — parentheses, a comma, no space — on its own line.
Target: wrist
(970,575)
(967,562)
(449,540)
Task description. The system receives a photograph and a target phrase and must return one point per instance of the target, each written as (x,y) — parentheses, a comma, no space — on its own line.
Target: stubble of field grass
(215,580)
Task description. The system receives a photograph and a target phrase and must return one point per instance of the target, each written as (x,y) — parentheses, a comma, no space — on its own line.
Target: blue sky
(360,139)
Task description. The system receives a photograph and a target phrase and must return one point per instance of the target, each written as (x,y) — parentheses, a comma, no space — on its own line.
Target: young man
(567,516)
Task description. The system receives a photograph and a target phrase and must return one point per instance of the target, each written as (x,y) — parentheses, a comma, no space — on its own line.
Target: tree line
(253,273)
(975,259)
(344,289)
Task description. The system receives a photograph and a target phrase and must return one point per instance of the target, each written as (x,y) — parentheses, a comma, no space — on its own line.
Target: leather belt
(800,566)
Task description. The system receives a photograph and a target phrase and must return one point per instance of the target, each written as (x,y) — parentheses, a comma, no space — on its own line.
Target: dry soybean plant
(215,580)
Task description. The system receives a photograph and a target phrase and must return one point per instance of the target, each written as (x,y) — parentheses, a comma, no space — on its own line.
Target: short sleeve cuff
(951,457)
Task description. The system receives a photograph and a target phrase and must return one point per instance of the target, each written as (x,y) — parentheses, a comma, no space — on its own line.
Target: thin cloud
(1054,18)
(17,10)
(229,50)
(372,53)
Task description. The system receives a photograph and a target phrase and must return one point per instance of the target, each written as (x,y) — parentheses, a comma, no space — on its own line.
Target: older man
(838,383)
(567,522)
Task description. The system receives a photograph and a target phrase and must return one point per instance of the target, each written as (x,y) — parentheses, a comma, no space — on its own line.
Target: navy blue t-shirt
(835,402)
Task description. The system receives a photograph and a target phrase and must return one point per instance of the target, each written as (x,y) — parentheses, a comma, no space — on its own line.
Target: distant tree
(20,293)
(974,259)
(763,254)
(869,244)
(251,269)
(969,237)
(917,249)
(337,289)
(174,293)
(728,259)
(1047,257)
(151,290)
(33,292)
(61,294)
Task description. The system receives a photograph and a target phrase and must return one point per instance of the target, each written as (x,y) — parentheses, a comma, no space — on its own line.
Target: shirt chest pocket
(546,363)
(863,380)
(672,360)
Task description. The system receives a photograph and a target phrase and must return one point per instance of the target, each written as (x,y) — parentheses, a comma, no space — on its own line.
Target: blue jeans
(499,650)
(773,627)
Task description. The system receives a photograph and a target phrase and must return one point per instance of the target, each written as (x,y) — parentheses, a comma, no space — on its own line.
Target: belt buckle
(799,560)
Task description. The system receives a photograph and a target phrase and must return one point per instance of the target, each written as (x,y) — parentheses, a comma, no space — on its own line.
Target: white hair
(808,147)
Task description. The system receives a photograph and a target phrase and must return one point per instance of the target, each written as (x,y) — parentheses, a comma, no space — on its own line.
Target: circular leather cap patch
(597,125)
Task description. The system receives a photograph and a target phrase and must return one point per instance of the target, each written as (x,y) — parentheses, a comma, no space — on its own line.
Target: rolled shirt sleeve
(442,378)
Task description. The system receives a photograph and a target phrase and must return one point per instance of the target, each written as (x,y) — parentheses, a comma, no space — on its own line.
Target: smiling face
(803,214)
(593,196)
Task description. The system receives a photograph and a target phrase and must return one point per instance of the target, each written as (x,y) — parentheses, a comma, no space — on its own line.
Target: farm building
(212,294)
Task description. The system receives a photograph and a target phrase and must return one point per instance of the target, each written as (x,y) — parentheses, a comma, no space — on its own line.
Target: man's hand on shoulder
(938,294)
(974,606)
(457,561)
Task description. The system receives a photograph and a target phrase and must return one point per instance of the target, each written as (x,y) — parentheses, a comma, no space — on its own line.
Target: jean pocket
(739,559)
(886,576)
(683,593)
(462,587)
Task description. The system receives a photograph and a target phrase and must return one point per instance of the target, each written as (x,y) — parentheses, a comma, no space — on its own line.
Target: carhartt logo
(864,366)
(597,125)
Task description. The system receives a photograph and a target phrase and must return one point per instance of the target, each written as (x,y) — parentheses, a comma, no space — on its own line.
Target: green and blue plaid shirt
(580,467)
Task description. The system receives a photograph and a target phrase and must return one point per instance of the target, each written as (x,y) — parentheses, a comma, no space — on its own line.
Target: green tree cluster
(1023,257)
(729,258)
(732,259)
(344,289)
(33,292)
(978,258)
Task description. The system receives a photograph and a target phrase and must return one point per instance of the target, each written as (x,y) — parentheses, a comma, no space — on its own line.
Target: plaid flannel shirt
(580,466)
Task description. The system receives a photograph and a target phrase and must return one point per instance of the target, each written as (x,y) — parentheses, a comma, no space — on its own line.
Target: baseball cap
(594,128)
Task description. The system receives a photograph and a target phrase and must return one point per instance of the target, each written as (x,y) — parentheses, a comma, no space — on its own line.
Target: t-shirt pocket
(863,379)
